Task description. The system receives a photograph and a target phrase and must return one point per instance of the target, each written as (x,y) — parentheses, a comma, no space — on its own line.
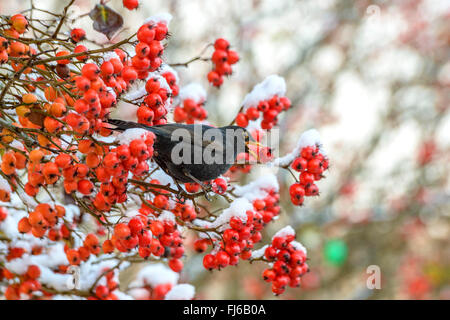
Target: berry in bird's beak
(251,145)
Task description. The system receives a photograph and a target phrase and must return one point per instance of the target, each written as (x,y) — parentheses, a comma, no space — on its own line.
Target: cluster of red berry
(184,211)
(18,25)
(268,206)
(42,219)
(149,49)
(222,59)
(218,185)
(288,263)
(153,292)
(152,110)
(115,167)
(151,236)
(90,246)
(105,291)
(27,284)
(311,164)
(239,239)
(189,111)
(269,109)
(172,81)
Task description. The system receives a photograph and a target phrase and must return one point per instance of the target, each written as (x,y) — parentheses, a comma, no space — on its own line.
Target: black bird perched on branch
(194,152)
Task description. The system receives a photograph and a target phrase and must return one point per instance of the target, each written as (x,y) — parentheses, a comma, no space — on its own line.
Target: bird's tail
(122,125)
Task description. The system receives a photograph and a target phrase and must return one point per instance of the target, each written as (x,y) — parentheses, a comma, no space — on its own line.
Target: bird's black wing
(122,125)
(167,130)
(202,141)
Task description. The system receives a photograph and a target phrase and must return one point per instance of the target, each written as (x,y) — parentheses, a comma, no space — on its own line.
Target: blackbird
(194,152)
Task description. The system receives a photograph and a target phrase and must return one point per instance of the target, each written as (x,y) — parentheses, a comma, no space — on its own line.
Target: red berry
(222,259)
(209,262)
(122,231)
(233,57)
(33,272)
(77,34)
(90,71)
(130,4)
(299,164)
(269,275)
(176,265)
(242,120)
(221,44)
(252,113)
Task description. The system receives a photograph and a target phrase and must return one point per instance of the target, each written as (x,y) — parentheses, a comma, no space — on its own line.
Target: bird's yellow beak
(254,148)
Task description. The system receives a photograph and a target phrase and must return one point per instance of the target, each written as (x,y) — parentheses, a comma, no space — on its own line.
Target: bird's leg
(180,190)
(205,188)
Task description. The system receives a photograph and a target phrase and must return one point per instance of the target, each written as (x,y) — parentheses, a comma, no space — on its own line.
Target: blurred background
(373,77)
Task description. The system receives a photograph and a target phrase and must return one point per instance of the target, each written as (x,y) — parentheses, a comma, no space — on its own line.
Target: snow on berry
(287,261)
(273,85)
(156,281)
(237,209)
(163,17)
(259,188)
(183,291)
(267,99)
(154,275)
(309,138)
(194,91)
(4,185)
(286,231)
(45,242)
(191,100)
(171,77)
(125,138)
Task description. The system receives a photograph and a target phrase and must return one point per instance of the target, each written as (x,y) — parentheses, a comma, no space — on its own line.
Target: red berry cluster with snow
(218,186)
(265,102)
(157,282)
(238,240)
(241,224)
(310,161)
(191,106)
(131,156)
(94,203)
(288,261)
(222,58)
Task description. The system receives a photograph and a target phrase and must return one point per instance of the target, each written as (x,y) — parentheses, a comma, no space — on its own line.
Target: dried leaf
(36,118)
(106,20)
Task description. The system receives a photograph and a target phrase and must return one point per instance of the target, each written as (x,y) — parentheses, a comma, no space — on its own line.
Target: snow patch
(194,91)
(286,231)
(182,291)
(131,134)
(110,55)
(160,17)
(154,275)
(258,188)
(272,85)
(259,253)
(4,185)
(167,216)
(298,246)
(237,209)
(308,138)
